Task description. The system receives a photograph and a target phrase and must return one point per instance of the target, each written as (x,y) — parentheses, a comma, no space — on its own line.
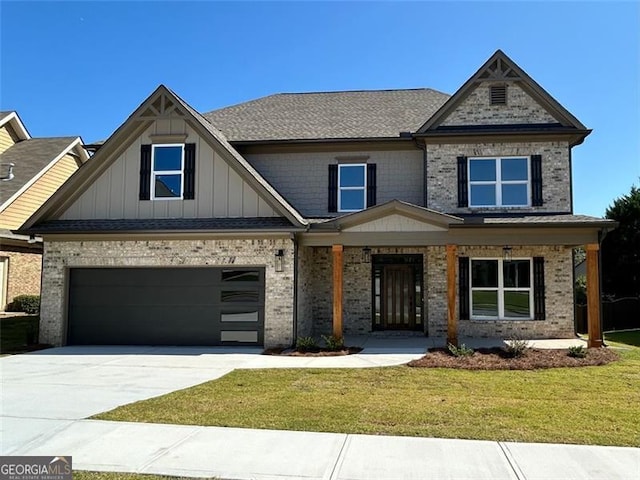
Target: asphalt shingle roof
(305,116)
(5,113)
(165,224)
(30,157)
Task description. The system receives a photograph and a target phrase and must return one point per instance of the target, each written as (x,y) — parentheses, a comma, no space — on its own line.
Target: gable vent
(498,94)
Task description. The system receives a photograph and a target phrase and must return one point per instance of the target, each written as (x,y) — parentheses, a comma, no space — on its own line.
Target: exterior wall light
(366,255)
(506,253)
(279,263)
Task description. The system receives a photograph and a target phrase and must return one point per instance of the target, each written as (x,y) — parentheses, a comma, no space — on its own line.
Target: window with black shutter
(463,194)
(189,171)
(536,180)
(538,289)
(145,172)
(463,287)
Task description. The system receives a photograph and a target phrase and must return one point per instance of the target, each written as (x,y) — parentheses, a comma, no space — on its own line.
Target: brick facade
(357,293)
(23,274)
(442,177)
(279,294)
(477,110)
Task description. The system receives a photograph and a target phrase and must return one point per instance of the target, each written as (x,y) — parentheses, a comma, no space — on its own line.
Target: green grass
(631,337)
(14,332)
(589,405)
(85,475)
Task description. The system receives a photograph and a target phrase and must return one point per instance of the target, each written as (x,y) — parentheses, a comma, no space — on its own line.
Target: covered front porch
(402,268)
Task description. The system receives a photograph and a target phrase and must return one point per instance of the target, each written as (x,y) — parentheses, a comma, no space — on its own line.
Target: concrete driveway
(43,392)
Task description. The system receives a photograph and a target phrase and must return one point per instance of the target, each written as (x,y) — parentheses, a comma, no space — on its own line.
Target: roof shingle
(30,157)
(328,115)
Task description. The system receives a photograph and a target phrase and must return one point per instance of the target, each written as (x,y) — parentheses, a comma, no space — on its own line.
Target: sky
(82,67)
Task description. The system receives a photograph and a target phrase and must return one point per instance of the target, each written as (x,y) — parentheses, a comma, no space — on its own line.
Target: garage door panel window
(239,296)
(248,316)
(240,276)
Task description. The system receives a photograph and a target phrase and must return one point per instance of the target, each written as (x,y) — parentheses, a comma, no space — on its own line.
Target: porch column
(593,295)
(452,321)
(337,290)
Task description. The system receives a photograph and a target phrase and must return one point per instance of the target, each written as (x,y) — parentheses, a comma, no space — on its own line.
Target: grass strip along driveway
(590,405)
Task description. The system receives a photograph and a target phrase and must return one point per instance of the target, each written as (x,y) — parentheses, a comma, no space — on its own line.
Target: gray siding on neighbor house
(219,189)
(302,178)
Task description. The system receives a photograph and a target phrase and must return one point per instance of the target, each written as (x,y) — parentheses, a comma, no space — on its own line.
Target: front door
(397,292)
(398,300)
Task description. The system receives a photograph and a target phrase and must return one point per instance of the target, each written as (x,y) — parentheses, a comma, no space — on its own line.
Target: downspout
(571,180)
(295,290)
(423,147)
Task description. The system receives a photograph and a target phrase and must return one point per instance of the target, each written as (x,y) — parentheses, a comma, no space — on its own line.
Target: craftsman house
(31,170)
(302,214)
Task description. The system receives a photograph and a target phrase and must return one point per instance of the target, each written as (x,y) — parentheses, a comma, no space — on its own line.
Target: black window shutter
(463,287)
(463,193)
(189,171)
(536,180)
(538,288)
(371,184)
(333,188)
(145,172)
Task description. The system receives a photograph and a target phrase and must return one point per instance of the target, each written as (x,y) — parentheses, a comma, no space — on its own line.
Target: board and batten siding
(18,211)
(220,191)
(8,138)
(302,178)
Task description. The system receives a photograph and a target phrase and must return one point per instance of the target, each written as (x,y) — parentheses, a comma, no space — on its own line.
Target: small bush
(25,303)
(333,343)
(578,351)
(461,351)
(516,347)
(305,344)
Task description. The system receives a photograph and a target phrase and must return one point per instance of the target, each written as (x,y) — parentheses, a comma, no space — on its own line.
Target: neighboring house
(301,214)
(33,168)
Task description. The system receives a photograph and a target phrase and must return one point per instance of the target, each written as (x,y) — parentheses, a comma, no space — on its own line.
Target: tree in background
(621,248)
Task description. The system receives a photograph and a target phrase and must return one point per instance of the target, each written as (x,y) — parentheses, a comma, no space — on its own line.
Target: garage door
(166,306)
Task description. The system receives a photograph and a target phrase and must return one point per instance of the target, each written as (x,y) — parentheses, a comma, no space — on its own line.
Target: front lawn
(590,405)
(17,332)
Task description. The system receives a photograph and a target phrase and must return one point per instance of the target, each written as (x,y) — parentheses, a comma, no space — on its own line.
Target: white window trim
(155,172)
(498,182)
(501,289)
(363,188)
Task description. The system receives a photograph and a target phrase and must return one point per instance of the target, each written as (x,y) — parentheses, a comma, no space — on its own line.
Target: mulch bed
(319,352)
(496,359)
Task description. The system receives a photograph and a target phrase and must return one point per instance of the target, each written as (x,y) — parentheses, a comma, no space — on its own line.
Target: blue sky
(80,68)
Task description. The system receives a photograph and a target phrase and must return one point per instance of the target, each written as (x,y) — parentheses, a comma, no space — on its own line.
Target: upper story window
(499,182)
(352,187)
(501,289)
(167,174)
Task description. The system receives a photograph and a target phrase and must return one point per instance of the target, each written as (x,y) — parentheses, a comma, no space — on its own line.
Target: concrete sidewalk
(235,453)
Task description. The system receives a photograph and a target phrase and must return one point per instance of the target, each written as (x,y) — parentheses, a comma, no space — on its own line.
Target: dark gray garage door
(166,306)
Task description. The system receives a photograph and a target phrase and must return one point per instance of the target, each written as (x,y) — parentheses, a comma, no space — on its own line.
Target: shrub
(305,344)
(461,351)
(333,343)
(25,303)
(578,351)
(516,347)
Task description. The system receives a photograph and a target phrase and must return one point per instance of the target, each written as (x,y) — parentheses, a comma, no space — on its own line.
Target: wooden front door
(398,297)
